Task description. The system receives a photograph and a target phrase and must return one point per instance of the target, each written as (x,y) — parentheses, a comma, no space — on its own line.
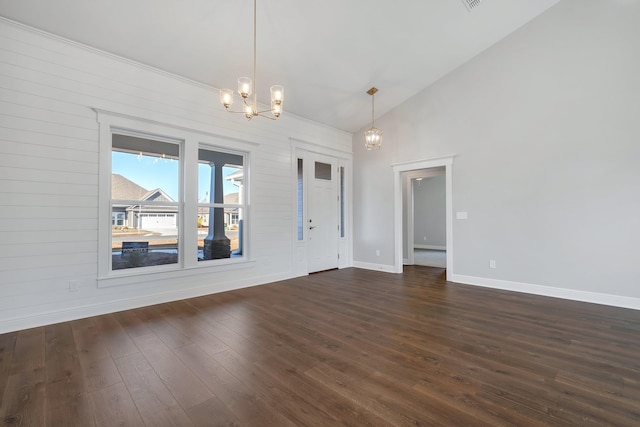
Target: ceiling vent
(471,4)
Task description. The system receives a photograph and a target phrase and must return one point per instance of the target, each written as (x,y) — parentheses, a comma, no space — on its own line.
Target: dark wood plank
(7,345)
(286,401)
(97,365)
(113,406)
(23,402)
(114,336)
(187,389)
(61,355)
(242,401)
(212,413)
(66,403)
(160,326)
(67,406)
(132,324)
(186,319)
(155,403)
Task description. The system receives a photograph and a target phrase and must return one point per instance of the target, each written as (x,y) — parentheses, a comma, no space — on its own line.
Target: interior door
(322,219)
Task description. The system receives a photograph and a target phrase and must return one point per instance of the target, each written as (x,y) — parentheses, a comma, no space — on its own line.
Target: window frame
(241,205)
(178,205)
(190,140)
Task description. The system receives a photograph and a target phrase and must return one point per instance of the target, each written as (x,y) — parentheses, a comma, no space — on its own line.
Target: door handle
(311,227)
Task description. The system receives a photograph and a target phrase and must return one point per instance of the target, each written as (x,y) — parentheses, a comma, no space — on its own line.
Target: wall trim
(411,164)
(136,122)
(549,291)
(432,247)
(377,267)
(319,148)
(97,309)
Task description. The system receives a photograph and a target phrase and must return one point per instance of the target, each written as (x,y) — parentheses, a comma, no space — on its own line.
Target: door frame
(398,170)
(299,255)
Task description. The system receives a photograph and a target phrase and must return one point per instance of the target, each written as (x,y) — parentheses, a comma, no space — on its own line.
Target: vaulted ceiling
(326,54)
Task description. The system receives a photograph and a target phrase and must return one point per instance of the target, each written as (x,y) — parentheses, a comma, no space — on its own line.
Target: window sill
(165,272)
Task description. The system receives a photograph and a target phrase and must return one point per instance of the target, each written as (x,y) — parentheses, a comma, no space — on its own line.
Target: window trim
(242,204)
(180,143)
(191,140)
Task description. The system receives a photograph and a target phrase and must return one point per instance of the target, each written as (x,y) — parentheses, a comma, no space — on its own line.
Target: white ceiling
(326,54)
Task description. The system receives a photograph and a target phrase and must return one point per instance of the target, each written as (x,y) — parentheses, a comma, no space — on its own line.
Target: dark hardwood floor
(349,347)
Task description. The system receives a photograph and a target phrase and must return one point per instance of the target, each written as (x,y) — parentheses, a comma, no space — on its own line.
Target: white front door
(322,219)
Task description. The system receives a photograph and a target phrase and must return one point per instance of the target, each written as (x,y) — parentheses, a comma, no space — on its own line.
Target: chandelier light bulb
(372,139)
(249,111)
(276,109)
(226,97)
(244,87)
(277,93)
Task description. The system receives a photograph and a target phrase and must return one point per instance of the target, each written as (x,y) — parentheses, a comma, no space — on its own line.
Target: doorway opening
(425,217)
(405,175)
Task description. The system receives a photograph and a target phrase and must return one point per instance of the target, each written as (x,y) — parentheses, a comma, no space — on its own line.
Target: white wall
(49,161)
(544,128)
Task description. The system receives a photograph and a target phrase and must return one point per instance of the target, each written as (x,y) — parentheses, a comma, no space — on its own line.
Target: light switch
(461,215)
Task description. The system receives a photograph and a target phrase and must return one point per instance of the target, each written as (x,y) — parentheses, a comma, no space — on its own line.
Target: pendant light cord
(373,101)
(255,82)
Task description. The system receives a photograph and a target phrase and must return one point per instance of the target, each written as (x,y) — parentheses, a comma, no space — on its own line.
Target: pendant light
(373,136)
(247,86)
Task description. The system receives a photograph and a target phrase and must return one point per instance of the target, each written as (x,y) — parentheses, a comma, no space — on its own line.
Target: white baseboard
(378,267)
(432,247)
(97,309)
(548,291)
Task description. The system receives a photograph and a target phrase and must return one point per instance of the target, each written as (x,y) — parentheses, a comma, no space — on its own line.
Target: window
(117,219)
(300,204)
(323,171)
(342,210)
(159,200)
(221,204)
(145,208)
(233,218)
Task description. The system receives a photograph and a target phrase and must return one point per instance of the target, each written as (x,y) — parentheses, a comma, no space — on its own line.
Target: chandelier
(372,137)
(246,87)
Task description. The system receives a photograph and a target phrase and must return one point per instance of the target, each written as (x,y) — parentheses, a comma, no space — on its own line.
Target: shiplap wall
(49,165)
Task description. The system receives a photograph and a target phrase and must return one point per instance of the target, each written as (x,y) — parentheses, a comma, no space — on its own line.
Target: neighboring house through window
(150,233)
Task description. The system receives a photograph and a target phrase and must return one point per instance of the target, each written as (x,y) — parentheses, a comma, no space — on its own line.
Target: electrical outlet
(73,285)
(377,252)
(492,263)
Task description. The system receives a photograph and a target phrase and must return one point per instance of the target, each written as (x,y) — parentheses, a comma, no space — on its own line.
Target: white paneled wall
(49,167)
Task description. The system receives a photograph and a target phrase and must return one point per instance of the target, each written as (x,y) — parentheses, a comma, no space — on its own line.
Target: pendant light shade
(373,136)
